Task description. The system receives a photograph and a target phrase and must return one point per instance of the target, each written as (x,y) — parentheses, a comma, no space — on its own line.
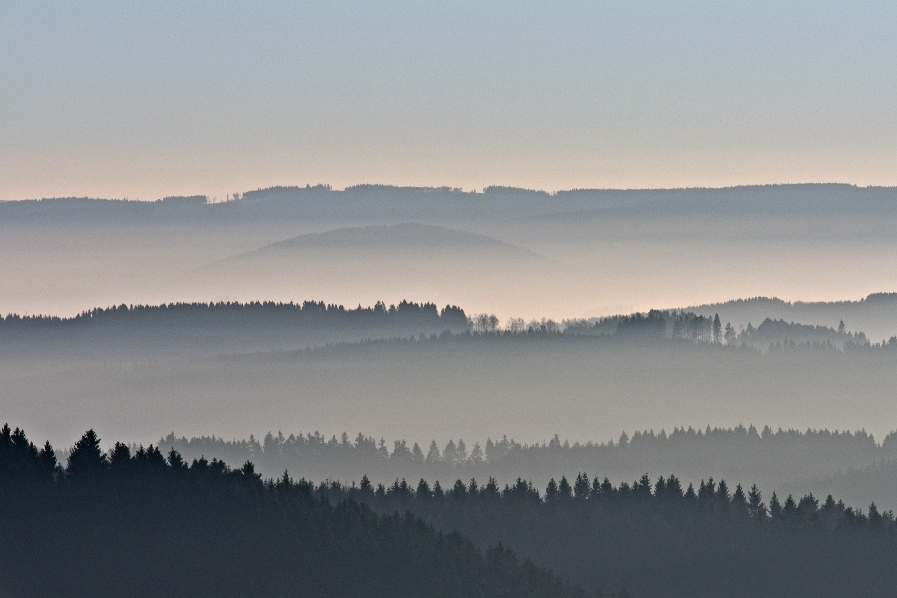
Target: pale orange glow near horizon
(114,100)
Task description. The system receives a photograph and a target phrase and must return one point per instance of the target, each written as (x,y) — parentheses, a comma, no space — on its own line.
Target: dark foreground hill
(663,539)
(141,525)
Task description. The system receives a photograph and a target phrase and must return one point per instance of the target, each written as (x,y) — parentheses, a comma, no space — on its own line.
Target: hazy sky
(145,99)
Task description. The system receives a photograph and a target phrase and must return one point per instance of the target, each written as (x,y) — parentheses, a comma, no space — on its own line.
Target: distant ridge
(872,300)
(402,203)
(393,237)
(875,314)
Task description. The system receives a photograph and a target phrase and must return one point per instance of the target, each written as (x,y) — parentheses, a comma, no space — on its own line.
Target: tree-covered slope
(143,525)
(663,539)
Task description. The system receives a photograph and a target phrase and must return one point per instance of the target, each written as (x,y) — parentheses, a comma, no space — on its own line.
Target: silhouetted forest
(783,460)
(226,327)
(475,385)
(873,314)
(141,524)
(671,324)
(66,254)
(662,538)
(233,327)
(308,313)
(320,201)
(135,522)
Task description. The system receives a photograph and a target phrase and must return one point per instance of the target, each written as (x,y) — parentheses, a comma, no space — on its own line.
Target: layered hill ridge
(875,315)
(392,238)
(320,201)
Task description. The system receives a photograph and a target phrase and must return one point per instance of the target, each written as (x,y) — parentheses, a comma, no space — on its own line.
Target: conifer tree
(789,508)
(581,486)
(717,329)
(551,491)
(775,507)
(755,503)
(47,458)
(564,488)
(86,459)
(739,500)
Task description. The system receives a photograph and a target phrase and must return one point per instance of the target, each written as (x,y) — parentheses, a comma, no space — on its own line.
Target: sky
(148,99)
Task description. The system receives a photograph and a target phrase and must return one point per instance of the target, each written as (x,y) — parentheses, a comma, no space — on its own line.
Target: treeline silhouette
(687,325)
(321,201)
(223,327)
(774,459)
(143,524)
(873,314)
(314,313)
(260,326)
(661,538)
(135,522)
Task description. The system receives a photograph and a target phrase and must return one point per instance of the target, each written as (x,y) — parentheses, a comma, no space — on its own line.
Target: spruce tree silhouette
(86,460)
(47,458)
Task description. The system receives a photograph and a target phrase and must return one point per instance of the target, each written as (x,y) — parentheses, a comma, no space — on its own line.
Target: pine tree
(177,463)
(86,459)
(643,486)
(551,491)
(564,488)
(423,490)
(660,487)
(790,507)
(707,490)
(674,487)
(775,507)
(47,458)
(739,500)
(722,492)
(433,455)
(755,503)
(120,457)
(581,488)
(476,455)
(730,335)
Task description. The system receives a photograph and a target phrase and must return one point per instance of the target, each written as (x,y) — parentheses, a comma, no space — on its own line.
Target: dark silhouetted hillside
(135,522)
(141,524)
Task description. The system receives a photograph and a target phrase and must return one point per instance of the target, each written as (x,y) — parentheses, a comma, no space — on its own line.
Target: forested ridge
(246,314)
(793,455)
(662,539)
(410,318)
(141,524)
(321,201)
(137,522)
(136,331)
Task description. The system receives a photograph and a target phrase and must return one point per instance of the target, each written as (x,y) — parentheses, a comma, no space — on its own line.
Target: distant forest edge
(875,314)
(218,530)
(320,201)
(409,319)
(781,459)
(307,313)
